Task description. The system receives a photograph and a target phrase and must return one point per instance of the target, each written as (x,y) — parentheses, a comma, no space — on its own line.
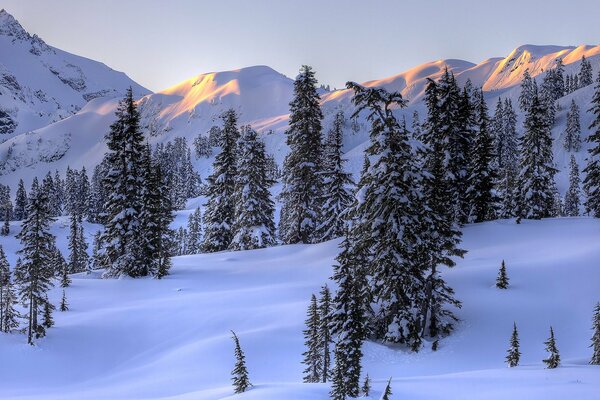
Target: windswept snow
(169,339)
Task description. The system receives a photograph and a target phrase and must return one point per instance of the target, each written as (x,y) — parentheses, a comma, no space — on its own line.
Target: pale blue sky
(159,43)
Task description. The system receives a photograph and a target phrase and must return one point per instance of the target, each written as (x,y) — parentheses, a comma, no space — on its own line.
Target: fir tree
(528,88)
(20,202)
(325,336)
(240,379)
(481,173)
(338,389)
(48,320)
(591,183)
(301,169)
(536,174)
(553,359)
(34,274)
(253,224)
(65,280)
(502,279)
(513,355)
(124,183)
(585,73)
(78,257)
(366,388)
(572,141)
(9,316)
(573,195)
(220,209)
(312,355)
(5,230)
(337,184)
(596,337)
(64,306)
(4,282)
(194,232)
(387,392)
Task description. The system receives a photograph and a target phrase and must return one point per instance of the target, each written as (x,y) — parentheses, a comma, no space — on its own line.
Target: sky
(159,43)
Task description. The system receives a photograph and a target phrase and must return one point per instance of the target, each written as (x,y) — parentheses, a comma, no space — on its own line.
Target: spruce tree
(573,195)
(220,210)
(48,320)
(387,392)
(528,88)
(253,224)
(312,355)
(338,383)
(502,279)
(34,274)
(124,183)
(65,280)
(78,257)
(325,336)
(366,387)
(337,193)
(240,379)
(194,232)
(513,355)
(536,168)
(301,190)
(572,141)
(480,192)
(585,73)
(553,359)
(596,336)
(507,160)
(591,183)
(4,282)
(10,316)
(64,306)
(5,230)
(20,202)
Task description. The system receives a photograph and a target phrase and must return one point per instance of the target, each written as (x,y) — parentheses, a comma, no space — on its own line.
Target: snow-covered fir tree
(387,392)
(553,360)
(536,166)
(124,180)
(78,257)
(573,196)
(253,225)
(20,202)
(5,230)
(194,232)
(513,354)
(219,213)
(591,182)
(4,282)
(35,272)
(337,186)
(312,356)
(585,73)
(366,387)
(301,192)
(64,305)
(325,336)
(99,193)
(528,88)
(572,140)
(10,316)
(480,191)
(65,280)
(241,381)
(502,279)
(595,360)
(48,321)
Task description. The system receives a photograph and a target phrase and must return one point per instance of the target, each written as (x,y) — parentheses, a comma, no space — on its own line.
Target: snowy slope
(261,96)
(40,84)
(169,339)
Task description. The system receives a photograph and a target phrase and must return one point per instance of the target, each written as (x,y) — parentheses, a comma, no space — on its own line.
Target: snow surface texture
(169,339)
(40,84)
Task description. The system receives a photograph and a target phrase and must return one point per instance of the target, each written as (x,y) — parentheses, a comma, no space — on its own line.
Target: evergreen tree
(194,232)
(20,202)
(573,195)
(124,182)
(4,282)
(338,382)
(312,355)
(536,169)
(480,191)
(387,392)
(5,230)
(591,183)
(585,73)
(366,388)
(240,379)
(48,320)
(98,260)
(301,190)
(220,210)
(573,131)
(596,337)
(9,316)
(528,89)
(337,184)
(253,224)
(78,257)
(502,279)
(325,336)
(34,274)
(514,355)
(553,359)
(64,306)
(65,280)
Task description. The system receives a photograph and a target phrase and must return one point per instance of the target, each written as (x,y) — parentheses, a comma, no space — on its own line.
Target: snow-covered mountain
(40,84)
(261,96)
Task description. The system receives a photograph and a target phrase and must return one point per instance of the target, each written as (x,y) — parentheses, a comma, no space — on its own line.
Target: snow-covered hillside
(261,96)
(169,339)
(40,84)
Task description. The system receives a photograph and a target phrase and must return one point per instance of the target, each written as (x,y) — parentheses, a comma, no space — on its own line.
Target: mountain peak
(9,26)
